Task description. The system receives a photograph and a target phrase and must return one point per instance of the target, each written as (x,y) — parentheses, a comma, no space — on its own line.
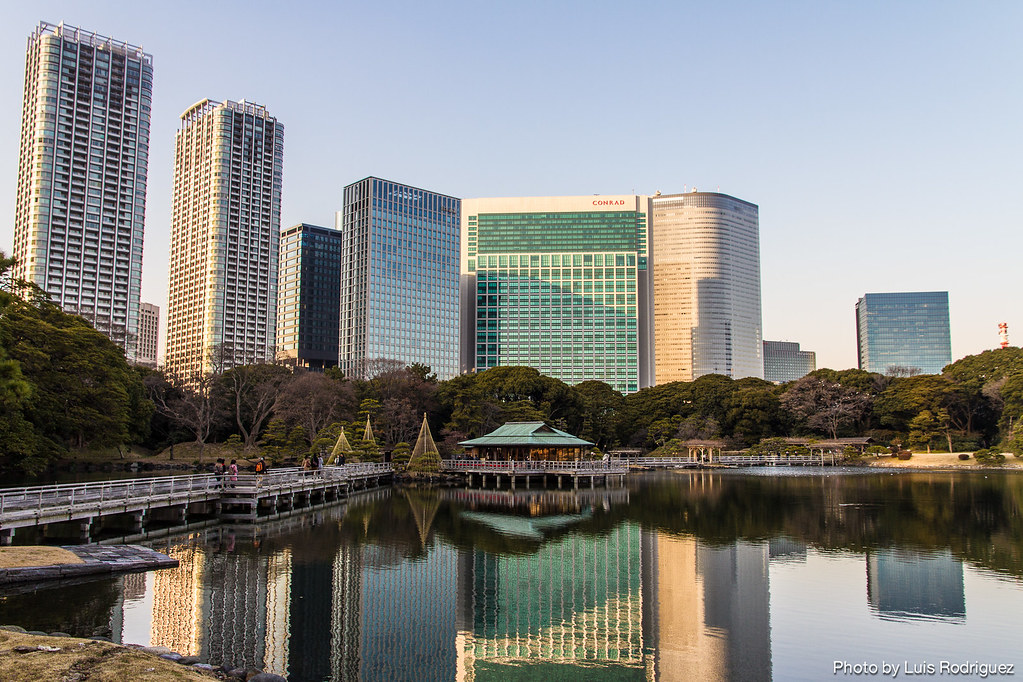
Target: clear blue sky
(881,140)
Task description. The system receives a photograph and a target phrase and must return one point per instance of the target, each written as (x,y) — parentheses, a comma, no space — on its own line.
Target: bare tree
(192,408)
(824,405)
(251,391)
(314,401)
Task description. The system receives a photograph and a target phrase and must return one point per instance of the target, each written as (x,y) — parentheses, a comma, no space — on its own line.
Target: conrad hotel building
(560,284)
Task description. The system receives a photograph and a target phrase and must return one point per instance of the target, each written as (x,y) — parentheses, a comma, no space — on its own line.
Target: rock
(190,660)
(13,628)
(24,649)
(38,632)
(267,677)
(205,668)
(171,657)
(236,673)
(101,638)
(59,634)
(157,650)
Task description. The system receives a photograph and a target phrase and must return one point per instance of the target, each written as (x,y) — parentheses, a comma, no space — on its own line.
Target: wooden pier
(130,505)
(553,474)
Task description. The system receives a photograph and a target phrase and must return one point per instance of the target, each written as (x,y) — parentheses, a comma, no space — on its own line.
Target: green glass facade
(561,291)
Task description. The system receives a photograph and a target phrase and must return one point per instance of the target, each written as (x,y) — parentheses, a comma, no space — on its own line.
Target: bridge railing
(779,459)
(656,461)
(37,499)
(47,497)
(513,466)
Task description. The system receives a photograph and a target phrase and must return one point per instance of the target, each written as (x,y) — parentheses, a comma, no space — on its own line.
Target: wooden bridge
(130,504)
(478,473)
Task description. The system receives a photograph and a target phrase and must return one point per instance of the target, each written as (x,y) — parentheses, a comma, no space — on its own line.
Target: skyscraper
(559,284)
(706,265)
(80,209)
(783,361)
(149,335)
(903,332)
(225,238)
(308,298)
(399,277)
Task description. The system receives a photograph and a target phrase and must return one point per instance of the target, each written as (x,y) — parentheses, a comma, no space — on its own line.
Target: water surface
(693,575)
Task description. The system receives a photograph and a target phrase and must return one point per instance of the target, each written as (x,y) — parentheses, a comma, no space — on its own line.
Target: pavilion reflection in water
(621,603)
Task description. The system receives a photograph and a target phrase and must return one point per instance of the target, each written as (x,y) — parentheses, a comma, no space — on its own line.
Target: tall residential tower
(559,284)
(81,199)
(706,264)
(399,277)
(225,238)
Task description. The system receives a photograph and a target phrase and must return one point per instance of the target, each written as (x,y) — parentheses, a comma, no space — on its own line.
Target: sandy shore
(941,460)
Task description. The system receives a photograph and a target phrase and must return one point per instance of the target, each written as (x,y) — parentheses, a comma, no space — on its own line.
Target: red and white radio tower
(1003,334)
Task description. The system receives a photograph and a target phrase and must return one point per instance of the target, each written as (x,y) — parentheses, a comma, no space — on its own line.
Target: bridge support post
(527,481)
(84,526)
(559,480)
(497,484)
(6,537)
(513,481)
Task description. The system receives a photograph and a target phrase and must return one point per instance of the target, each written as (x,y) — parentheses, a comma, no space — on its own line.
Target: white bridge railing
(524,467)
(70,500)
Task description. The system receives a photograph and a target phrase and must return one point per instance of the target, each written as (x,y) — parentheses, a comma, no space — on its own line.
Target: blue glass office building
(903,330)
(399,277)
(308,296)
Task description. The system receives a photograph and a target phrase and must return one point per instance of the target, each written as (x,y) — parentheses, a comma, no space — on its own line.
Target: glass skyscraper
(559,284)
(706,264)
(81,202)
(225,238)
(904,331)
(783,361)
(399,277)
(309,297)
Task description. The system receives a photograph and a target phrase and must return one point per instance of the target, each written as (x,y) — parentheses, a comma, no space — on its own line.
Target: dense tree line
(65,386)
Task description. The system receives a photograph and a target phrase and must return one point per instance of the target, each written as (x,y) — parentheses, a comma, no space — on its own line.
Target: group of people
(313,462)
(231,470)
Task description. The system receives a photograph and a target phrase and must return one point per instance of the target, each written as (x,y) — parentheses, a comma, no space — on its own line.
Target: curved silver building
(706,265)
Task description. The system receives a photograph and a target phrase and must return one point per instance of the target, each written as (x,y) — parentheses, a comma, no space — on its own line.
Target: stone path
(97,559)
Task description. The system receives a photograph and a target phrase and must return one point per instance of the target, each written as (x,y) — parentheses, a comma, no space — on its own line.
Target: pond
(754,575)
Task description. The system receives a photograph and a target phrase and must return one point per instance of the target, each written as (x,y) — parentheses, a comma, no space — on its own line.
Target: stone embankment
(92,560)
(36,655)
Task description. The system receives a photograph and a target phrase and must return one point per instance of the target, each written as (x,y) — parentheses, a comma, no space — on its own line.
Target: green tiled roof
(527,433)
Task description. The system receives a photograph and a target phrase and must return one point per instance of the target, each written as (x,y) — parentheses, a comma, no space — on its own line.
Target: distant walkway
(71,510)
(816,459)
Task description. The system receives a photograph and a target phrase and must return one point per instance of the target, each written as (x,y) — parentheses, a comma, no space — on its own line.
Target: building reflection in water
(576,600)
(622,603)
(708,614)
(907,585)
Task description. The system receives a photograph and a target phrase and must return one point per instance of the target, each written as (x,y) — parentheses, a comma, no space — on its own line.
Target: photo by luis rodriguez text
(895,669)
